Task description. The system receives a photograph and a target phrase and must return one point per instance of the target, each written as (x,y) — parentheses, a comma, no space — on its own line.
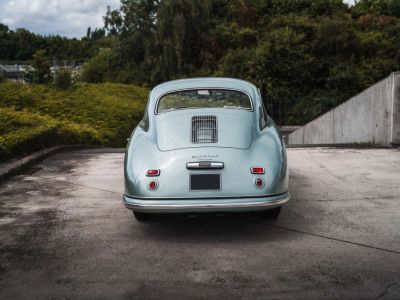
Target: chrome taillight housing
(152,173)
(257,170)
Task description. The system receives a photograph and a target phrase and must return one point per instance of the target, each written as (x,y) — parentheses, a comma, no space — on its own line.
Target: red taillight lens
(153,185)
(257,170)
(151,173)
(259,182)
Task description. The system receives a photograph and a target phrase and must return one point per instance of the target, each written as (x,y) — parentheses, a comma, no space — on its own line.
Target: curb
(340,146)
(18,166)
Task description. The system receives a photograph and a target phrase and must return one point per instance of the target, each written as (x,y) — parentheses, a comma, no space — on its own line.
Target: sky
(69,18)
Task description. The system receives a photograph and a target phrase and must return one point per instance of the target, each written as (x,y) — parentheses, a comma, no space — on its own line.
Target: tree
(134,25)
(377,7)
(41,72)
(158,40)
(63,79)
(88,32)
(2,78)
(20,45)
(99,68)
(180,24)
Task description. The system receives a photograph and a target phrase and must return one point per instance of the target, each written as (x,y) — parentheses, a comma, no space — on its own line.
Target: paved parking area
(65,234)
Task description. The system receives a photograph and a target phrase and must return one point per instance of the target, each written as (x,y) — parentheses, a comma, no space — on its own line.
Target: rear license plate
(205,182)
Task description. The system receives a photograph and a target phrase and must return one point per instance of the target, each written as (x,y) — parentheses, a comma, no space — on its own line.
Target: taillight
(259,182)
(151,173)
(153,185)
(257,170)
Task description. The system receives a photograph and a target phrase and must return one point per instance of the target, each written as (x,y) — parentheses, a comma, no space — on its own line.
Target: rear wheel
(272,213)
(141,217)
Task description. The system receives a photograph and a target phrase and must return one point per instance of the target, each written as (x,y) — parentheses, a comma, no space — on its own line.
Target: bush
(63,79)
(36,116)
(2,78)
(40,72)
(98,68)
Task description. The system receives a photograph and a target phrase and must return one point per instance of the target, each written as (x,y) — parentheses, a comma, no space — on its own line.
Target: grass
(33,117)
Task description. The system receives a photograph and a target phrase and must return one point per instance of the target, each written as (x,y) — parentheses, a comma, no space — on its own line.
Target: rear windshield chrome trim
(203,88)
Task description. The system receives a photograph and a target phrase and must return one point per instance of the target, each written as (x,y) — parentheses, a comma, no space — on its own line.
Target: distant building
(14,72)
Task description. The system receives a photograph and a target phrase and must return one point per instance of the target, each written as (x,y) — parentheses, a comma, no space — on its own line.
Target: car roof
(203,82)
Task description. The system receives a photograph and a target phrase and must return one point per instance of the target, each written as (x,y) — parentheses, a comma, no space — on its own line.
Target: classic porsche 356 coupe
(205,145)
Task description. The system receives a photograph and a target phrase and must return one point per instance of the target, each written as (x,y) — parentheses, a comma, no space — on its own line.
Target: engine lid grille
(204,129)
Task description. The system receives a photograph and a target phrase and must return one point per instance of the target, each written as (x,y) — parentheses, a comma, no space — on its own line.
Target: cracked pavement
(64,233)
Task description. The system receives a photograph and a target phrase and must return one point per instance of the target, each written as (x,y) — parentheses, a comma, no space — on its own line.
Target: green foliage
(308,56)
(37,116)
(99,68)
(2,78)
(20,45)
(63,79)
(377,7)
(41,72)
(158,39)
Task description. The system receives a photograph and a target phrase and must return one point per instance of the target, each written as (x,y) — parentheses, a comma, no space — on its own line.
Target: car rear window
(204,98)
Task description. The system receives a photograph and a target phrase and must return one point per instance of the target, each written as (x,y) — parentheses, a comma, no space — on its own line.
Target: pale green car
(205,145)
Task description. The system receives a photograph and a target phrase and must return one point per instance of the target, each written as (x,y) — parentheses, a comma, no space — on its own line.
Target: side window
(144,124)
(266,117)
(263,118)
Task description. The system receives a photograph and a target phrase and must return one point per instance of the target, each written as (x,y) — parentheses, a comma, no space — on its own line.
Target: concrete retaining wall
(373,116)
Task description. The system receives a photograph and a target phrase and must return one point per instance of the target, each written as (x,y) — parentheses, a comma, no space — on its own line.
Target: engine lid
(177,130)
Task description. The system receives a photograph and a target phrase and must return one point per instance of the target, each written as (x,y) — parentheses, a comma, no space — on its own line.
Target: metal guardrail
(17,72)
(12,69)
(14,72)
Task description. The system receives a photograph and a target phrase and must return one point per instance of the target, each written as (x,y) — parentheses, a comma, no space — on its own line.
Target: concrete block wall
(395,122)
(372,117)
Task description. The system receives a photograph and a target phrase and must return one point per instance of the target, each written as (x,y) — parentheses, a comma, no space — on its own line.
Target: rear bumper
(168,205)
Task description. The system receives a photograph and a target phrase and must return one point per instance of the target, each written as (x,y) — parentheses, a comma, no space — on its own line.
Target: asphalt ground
(64,234)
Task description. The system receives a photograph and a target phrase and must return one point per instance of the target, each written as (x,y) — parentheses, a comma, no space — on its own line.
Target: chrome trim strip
(205,165)
(211,205)
(205,198)
(203,88)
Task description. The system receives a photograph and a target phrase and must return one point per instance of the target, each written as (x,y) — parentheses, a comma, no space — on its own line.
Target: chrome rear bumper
(168,205)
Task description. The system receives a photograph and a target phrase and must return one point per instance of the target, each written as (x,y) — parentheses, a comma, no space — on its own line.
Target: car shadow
(205,227)
(251,227)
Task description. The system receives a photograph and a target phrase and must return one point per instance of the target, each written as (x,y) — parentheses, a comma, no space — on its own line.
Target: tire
(273,213)
(141,217)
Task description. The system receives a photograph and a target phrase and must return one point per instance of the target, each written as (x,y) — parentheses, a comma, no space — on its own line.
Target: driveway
(64,233)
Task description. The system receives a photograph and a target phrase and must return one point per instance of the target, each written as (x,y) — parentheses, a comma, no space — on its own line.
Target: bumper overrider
(221,204)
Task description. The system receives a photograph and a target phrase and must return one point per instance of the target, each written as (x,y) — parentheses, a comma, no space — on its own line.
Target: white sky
(69,18)
(64,17)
